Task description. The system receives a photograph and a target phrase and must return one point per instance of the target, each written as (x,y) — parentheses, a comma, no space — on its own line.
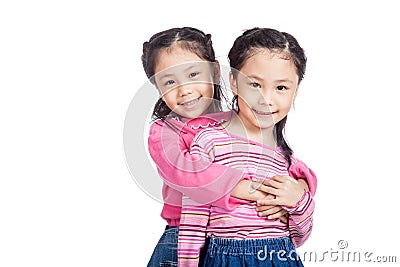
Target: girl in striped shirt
(266,69)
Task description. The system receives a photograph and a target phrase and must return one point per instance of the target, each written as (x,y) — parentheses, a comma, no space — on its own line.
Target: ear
(217,72)
(233,83)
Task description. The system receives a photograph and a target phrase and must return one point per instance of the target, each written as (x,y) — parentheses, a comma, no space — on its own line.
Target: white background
(69,69)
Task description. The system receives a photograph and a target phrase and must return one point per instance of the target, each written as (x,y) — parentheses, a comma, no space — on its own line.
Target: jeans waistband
(170,227)
(249,246)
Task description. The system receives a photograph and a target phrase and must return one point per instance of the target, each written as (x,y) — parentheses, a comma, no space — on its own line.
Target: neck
(242,128)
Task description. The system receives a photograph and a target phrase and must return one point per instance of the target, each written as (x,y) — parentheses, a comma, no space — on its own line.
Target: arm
(299,170)
(305,177)
(300,219)
(296,200)
(192,232)
(201,180)
(246,189)
(243,190)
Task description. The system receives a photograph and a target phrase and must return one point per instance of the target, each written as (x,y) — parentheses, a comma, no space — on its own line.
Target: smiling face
(184,81)
(266,86)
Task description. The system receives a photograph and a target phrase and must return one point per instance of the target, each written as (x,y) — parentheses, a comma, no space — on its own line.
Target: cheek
(208,91)
(245,107)
(286,105)
(247,100)
(170,100)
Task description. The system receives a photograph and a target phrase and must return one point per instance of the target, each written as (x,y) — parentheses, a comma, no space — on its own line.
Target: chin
(192,115)
(264,125)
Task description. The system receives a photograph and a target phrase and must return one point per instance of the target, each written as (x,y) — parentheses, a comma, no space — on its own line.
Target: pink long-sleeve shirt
(169,144)
(199,221)
(209,183)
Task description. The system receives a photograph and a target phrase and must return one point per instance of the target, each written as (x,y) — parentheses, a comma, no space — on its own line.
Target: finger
(255,185)
(303,183)
(272,183)
(269,196)
(266,202)
(282,178)
(264,180)
(269,212)
(267,208)
(268,189)
(284,219)
(277,215)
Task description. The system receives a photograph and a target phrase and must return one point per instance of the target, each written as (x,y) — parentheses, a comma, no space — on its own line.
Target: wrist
(298,204)
(246,191)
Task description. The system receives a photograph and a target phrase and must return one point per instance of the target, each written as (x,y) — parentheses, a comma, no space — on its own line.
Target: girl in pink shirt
(266,69)
(181,63)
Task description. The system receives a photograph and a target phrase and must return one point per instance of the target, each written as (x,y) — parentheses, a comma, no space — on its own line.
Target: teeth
(191,102)
(262,113)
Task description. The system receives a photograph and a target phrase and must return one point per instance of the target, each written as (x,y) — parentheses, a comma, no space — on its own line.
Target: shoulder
(210,138)
(208,120)
(196,124)
(167,124)
(208,134)
(157,124)
(169,130)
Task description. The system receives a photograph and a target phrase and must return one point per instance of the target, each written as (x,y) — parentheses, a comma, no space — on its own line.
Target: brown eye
(255,85)
(170,82)
(194,74)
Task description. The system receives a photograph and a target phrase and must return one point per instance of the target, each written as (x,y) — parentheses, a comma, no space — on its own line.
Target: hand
(287,191)
(272,212)
(303,182)
(245,190)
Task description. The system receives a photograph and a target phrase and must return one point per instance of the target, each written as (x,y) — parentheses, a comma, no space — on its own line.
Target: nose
(265,98)
(185,90)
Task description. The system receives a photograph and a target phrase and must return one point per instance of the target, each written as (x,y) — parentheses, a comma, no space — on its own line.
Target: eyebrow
(255,77)
(284,81)
(172,74)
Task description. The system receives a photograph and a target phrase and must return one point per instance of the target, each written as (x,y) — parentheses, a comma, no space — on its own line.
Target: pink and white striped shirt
(184,173)
(199,221)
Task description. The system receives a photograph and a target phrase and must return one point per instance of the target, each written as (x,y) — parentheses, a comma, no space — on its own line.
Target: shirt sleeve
(192,231)
(299,170)
(300,219)
(192,175)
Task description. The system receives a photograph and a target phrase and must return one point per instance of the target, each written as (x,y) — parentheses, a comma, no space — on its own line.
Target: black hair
(188,38)
(248,44)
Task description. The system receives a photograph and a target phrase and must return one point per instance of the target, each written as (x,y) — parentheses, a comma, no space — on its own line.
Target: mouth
(263,113)
(190,103)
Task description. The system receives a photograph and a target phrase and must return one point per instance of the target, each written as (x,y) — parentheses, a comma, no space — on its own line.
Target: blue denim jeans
(165,253)
(274,252)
